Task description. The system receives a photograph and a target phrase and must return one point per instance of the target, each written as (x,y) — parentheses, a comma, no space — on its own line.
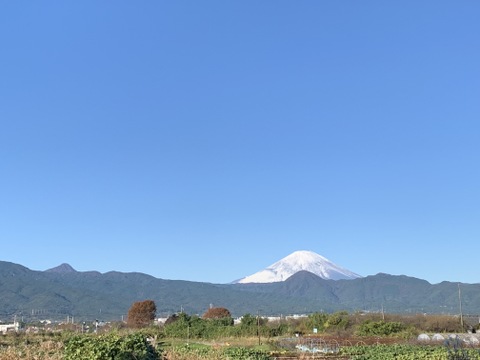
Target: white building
(4,328)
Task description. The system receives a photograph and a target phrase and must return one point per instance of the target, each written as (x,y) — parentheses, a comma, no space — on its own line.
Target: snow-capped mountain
(298,261)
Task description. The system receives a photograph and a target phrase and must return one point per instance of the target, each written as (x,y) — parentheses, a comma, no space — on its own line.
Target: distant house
(4,328)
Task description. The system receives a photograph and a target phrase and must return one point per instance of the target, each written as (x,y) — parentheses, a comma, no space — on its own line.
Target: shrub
(111,346)
(380,328)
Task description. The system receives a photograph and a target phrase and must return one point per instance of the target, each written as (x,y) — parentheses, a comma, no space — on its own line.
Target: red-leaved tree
(141,314)
(219,314)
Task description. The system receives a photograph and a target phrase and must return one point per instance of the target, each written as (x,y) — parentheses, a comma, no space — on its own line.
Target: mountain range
(63,291)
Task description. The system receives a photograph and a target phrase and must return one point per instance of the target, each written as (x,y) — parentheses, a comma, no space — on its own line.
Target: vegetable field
(136,347)
(409,352)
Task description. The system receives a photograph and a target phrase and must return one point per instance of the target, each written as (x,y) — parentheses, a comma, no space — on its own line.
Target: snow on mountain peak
(298,261)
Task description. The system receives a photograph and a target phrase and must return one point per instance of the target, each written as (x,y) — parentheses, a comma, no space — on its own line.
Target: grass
(37,350)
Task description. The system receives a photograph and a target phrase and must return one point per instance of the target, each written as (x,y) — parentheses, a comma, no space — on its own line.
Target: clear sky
(205,140)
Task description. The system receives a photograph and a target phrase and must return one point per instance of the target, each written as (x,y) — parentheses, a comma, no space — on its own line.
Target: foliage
(171,319)
(220,315)
(404,352)
(217,313)
(192,327)
(186,352)
(179,326)
(456,351)
(248,320)
(338,324)
(250,331)
(141,313)
(442,323)
(210,353)
(242,353)
(316,321)
(127,345)
(323,322)
(338,320)
(380,328)
(250,325)
(18,347)
(110,346)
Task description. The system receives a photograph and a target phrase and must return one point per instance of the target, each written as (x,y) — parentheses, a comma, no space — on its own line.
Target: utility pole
(460,302)
(258,327)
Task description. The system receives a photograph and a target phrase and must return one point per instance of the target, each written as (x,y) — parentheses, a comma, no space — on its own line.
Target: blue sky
(205,140)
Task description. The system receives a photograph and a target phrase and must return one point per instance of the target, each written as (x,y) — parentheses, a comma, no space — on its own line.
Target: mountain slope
(63,268)
(300,261)
(37,295)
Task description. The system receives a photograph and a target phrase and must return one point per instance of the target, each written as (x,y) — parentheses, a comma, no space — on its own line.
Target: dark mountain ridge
(62,268)
(63,291)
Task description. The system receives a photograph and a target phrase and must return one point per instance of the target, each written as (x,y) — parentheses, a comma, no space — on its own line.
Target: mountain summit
(62,269)
(300,261)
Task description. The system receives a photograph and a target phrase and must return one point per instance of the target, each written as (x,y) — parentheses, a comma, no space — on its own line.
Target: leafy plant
(241,353)
(110,346)
(405,352)
(455,349)
(380,328)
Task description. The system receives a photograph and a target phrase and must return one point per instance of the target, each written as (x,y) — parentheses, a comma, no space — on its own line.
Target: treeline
(218,322)
(182,336)
(373,324)
(337,324)
(195,327)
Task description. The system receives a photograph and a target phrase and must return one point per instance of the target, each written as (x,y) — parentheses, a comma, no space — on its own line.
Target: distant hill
(61,269)
(92,295)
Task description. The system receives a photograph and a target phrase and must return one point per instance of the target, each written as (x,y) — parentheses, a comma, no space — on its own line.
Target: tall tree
(217,313)
(141,314)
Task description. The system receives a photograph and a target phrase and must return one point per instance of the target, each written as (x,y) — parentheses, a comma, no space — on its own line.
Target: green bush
(316,321)
(110,346)
(337,320)
(380,328)
(241,353)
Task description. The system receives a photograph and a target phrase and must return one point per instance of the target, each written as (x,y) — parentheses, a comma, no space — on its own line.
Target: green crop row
(109,346)
(211,353)
(409,352)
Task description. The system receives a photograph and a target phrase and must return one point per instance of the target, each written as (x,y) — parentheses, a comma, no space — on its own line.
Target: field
(135,346)
(339,336)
